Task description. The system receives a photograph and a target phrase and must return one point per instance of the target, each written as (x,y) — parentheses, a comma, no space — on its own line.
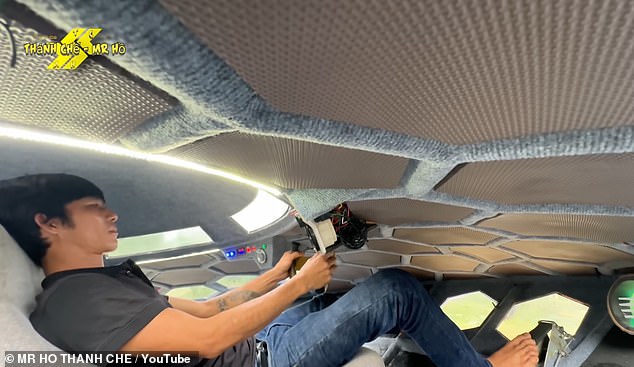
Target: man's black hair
(21,198)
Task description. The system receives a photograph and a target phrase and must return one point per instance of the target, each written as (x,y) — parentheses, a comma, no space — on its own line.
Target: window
(156,242)
(235,281)
(524,316)
(468,310)
(197,292)
(263,211)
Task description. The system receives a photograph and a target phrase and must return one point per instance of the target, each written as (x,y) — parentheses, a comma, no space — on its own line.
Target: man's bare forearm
(254,289)
(232,299)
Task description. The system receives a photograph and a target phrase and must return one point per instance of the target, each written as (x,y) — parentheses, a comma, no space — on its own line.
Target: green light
(264,246)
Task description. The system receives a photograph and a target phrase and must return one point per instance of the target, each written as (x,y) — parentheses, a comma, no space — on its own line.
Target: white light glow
(47,138)
(263,211)
(140,262)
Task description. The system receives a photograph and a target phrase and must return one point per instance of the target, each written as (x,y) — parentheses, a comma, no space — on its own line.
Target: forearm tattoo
(222,305)
(235,298)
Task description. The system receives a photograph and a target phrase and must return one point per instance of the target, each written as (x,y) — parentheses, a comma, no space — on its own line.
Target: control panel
(263,252)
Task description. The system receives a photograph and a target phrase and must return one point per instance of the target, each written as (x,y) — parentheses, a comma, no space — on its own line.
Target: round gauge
(261,256)
(620,305)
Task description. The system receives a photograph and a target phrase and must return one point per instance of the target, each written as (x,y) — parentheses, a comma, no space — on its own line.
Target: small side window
(469,310)
(567,312)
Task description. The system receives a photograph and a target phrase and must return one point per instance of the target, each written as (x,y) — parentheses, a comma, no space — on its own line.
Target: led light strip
(23,134)
(140,262)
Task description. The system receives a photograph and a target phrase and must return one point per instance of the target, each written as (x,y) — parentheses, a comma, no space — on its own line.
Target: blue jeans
(316,333)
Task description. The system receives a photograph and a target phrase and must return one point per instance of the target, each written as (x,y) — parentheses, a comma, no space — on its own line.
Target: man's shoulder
(77,285)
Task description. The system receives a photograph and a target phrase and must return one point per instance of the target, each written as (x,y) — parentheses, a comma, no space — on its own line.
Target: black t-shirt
(100,309)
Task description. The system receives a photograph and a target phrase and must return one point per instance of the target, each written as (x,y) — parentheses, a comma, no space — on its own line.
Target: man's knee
(395,279)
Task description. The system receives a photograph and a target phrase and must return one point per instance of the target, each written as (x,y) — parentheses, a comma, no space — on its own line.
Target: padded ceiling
(91,102)
(386,100)
(444,235)
(487,254)
(295,163)
(586,227)
(401,211)
(404,248)
(569,251)
(457,72)
(563,180)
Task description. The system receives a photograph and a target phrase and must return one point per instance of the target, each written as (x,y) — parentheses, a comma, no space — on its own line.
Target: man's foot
(519,352)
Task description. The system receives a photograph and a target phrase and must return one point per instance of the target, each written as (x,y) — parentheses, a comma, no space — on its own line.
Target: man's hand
(317,272)
(280,270)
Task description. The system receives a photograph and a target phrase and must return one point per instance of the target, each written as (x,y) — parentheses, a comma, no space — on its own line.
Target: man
(62,223)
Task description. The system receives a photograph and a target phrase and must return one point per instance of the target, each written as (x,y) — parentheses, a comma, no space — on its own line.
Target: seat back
(20,282)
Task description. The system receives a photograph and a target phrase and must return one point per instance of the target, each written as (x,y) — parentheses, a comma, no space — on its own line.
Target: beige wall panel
(444,236)
(444,263)
(399,247)
(401,211)
(597,228)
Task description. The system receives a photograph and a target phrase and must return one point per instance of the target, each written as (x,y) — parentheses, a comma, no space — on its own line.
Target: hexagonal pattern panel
(487,254)
(444,263)
(568,251)
(399,247)
(565,268)
(178,277)
(238,266)
(370,258)
(418,273)
(458,276)
(444,235)
(400,211)
(513,269)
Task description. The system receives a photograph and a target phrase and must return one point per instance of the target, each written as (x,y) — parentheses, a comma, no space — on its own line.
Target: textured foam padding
(568,251)
(444,235)
(562,180)
(404,248)
(513,269)
(181,277)
(295,163)
(598,228)
(489,255)
(457,72)
(401,211)
(417,272)
(90,102)
(444,263)
(369,258)
(569,269)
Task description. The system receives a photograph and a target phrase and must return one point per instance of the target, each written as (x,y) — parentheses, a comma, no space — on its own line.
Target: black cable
(13,57)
